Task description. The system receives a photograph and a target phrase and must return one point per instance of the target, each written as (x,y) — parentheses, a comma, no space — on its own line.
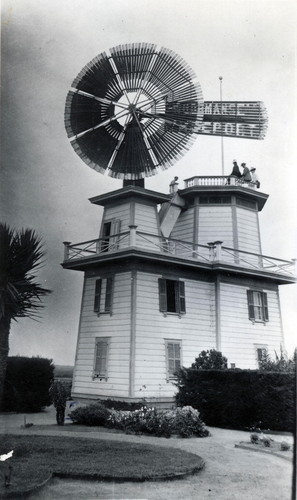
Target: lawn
(35,458)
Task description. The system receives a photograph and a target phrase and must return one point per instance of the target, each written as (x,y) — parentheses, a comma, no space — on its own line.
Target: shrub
(91,415)
(210,360)
(267,442)
(120,405)
(284,446)
(182,421)
(27,384)
(254,438)
(236,399)
(188,423)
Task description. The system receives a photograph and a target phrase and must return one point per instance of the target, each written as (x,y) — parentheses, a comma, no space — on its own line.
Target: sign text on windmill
(243,119)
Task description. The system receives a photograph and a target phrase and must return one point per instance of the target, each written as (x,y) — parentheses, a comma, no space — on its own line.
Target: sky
(46,186)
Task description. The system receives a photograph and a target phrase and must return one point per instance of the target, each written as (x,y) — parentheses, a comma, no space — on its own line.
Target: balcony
(209,255)
(218,180)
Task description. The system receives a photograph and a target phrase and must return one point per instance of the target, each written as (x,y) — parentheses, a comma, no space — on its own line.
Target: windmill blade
(242,119)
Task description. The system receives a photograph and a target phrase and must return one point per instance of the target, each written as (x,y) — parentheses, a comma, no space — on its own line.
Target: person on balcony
(246,175)
(255,178)
(235,173)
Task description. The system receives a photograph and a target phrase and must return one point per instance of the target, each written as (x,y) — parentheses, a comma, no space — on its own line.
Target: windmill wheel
(133,110)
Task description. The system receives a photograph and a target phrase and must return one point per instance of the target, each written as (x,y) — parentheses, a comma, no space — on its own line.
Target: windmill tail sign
(243,119)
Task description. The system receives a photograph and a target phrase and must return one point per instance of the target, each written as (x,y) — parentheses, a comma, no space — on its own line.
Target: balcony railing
(218,180)
(213,252)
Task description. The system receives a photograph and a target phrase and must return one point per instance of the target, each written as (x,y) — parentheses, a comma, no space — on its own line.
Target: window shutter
(115,229)
(182,297)
(108,294)
(250,299)
(101,358)
(265,306)
(162,295)
(97,296)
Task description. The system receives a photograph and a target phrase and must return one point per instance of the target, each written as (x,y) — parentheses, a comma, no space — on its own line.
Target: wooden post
(132,235)
(66,249)
(218,250)
(211,251)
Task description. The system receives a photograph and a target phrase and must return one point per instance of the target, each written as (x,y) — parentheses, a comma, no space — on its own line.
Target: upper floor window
(103,295)
(205,200)
(101,357)
(172,296)
(258,306)
(173,357)
(244,202)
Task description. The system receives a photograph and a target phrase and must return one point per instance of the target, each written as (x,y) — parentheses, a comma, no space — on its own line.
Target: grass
(35,458)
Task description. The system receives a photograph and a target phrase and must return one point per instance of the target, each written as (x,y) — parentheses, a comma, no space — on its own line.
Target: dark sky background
(44,184)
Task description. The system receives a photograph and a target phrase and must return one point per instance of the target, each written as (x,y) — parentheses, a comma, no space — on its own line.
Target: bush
(210,360)
(182,421)
(254,438)
(120,405)
(91,415)
(267,442)
(27,384)
(236,399)
(188,423)
(284,446)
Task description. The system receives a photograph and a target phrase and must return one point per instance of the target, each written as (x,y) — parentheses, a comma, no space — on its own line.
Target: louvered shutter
(115,229)
(162,295)
(265,306)
(101,358)
(108,294)
(97,296)
(250,299)
(182,297)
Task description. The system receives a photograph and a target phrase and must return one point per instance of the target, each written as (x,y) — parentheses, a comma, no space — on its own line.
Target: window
(173,357)
(108,241)
(103,295)
(204,200)
(172,296)
(261,353)
(244,202)
(101,357)
(258,306)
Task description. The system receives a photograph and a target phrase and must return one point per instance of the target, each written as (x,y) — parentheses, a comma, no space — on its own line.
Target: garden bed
(37,458)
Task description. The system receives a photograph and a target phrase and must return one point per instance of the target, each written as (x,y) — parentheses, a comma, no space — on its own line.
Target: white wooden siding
(121,212)
(117,327)
(215,224)
(248,233)
(238,334)
(195,330)
(146,222)
(184,226)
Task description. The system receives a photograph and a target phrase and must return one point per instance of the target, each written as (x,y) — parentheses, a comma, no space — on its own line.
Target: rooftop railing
(218,180)
(212,253)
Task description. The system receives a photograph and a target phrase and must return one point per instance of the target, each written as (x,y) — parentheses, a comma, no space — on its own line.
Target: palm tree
(21,253)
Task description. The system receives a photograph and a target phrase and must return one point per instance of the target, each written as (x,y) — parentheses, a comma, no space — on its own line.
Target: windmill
(139,108)
(170,274)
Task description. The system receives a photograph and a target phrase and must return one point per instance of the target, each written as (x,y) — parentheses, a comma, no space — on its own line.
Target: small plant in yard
(254,438)
(284,446)
(188,423)
(92,415)
(267,442)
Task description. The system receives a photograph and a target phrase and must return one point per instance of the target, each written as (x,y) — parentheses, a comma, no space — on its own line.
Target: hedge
(239,399)
(27,383)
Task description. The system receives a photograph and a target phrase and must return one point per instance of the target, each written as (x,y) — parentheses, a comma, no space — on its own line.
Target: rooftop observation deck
(213,255)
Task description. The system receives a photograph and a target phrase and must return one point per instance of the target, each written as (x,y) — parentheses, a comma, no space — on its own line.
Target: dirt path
(230,473)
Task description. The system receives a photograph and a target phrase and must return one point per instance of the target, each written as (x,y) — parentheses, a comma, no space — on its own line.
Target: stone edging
(250,448)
